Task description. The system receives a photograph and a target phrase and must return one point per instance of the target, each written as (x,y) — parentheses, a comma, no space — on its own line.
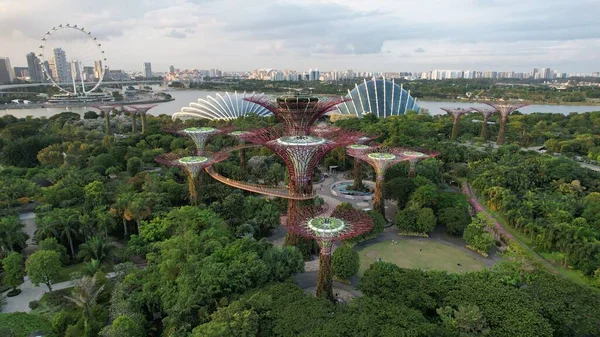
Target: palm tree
(120,207)
(85,295)
(92,267)
(95,248)
(69,228)
(46,228)
(11,233)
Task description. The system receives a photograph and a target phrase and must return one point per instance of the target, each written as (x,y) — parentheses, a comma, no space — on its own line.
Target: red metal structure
(132,113)
(297,113)
(106,109)
(342,224)
(192,165)
(200,135)
(456,114)
(380,159)
(361,145)
(485,113)
(504,109)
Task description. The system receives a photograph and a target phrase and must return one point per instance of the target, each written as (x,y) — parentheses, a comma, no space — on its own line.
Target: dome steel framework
(222,107)
(381,97)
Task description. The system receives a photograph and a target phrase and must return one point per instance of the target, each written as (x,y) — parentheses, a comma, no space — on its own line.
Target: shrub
(476,236)
(455,219)
(426,220)
(54,245)
(34,304)
(345,262)
(406,219)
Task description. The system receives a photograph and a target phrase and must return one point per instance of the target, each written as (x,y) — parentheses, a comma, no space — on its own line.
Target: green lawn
(419,254)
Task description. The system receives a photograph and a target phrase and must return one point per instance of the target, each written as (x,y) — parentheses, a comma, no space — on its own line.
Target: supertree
(192,165)
(301,155)
(242,150)
(504,109)
(456,114)
(485,113)
(142,110)
(380,159)
(343,223)
(106,109)
(357,167)
(416,155)
(200,135)
(324,131)
(297,113)
(132,112)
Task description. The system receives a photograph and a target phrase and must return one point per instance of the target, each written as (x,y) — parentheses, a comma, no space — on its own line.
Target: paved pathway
(29,293)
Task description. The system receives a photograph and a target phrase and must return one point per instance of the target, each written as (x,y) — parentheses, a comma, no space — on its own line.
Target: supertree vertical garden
(485,113)
(380,159)
(415,156)
(456,114)
(342,224)
(142,110)
(504,109)
(301,154)
(192,165)
(200,135)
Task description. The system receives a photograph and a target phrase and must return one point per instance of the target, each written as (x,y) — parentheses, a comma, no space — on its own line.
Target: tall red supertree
(343,223)
(242,150)
(142,110)
(416,155)
(485,113)
(504,109)
(192,165)
(380,159)
(301,155)
(456,114)
(297,113)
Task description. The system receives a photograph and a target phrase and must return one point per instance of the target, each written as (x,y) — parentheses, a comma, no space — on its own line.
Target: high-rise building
(313,75)
(34,68)
(58,66)
(88,74)
(97,69)
(171,69)
(21,73)
(6,71)
(147,70)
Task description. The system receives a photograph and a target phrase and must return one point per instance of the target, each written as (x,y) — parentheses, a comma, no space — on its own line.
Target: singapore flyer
(74,61)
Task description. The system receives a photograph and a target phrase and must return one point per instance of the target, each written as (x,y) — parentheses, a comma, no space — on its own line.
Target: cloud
(419,50)
(176,34)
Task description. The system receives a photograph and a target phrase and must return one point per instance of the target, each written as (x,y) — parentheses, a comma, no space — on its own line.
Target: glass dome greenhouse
(378,96)
(222,107)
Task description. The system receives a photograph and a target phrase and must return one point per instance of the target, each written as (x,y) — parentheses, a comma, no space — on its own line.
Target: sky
(375,35)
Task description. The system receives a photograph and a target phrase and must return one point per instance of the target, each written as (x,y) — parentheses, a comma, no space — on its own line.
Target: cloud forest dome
(379,96)
(222,107)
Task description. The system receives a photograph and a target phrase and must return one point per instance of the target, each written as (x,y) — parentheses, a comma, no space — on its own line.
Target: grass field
(419,254)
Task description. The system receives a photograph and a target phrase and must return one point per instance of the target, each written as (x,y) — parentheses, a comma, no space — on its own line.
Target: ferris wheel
(72,59)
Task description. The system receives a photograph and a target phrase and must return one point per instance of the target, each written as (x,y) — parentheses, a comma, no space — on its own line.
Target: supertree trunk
(193,183)
(357,171)
(454,129)
(502,131)
(133,126)
(144,121)
(295,208)
(325,276)
(484,128)
(378,202)
(107,123)
(242,158)
(412,168)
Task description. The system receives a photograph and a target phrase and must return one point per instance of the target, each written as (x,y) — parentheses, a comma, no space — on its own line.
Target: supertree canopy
(201,134)
(106,109)
(380,159)
(456,114)
(342,224)
(416,155)
(132,112)
(192,165)
(356,168)
(297,113)
(485,113)
(504,109)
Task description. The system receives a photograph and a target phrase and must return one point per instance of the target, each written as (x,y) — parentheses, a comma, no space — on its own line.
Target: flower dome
(380,96)
(226,107)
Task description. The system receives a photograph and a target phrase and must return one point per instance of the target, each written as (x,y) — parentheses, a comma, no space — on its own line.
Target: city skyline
(383,36)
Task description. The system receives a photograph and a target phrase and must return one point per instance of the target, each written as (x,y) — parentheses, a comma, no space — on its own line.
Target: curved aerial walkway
(274,191)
